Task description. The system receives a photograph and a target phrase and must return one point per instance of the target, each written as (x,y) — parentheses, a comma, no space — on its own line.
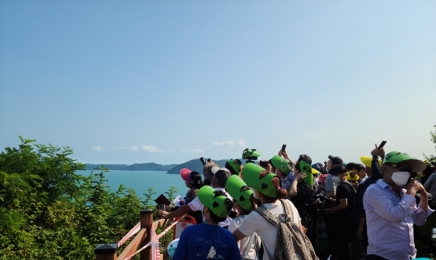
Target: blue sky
(169,81)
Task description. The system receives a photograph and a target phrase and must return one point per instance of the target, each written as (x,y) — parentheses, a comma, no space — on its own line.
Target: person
(330,186)
(391,209)
(300,191)
(282,169)
(358,214)
(430,184)
(342,224)
(351,175)
(209,240)
(267,188)
(359,170)
(218,182)
(234,166)
(244,203)
(194,182)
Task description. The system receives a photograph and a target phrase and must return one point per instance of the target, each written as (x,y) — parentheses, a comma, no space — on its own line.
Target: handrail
(143,237)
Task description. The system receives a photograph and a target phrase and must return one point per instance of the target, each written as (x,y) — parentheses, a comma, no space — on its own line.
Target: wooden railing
(143,237)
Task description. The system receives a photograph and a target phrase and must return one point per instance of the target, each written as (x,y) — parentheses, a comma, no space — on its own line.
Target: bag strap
(253,237)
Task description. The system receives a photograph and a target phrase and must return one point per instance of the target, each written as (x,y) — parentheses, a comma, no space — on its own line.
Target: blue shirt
(206,241)
(390,220)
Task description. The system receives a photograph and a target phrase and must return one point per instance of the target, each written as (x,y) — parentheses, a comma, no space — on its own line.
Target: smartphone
(161,206)
(283,147)
(381,144)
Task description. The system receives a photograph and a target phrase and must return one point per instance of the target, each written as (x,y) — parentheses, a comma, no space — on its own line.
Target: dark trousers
(340,237)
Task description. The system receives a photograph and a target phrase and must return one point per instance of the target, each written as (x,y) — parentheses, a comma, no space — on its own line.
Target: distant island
(193,165)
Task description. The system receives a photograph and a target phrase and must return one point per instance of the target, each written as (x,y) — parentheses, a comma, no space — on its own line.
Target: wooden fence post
(106,251)
(146,222)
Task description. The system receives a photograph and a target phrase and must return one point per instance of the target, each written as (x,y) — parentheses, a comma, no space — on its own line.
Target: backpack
(291,242)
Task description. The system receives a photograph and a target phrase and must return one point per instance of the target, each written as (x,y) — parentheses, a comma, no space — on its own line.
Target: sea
(140,181)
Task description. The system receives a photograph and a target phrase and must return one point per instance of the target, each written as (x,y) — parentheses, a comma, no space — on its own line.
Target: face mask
(400,178)
(336,179)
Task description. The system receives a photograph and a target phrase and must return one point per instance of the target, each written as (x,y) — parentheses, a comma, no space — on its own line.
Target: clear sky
(169,81)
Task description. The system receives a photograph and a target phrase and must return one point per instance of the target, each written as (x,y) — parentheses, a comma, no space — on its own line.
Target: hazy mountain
(134,167)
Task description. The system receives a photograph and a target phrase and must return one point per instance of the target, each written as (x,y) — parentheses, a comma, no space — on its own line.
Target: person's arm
(293,191)
(376,200)
(375,167)
(285,155)
(341,206)
(341,195)
(238,234)
(423,211)
(185,209)
(329,187)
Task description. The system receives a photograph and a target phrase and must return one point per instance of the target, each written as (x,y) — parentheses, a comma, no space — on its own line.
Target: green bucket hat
(395,157)
(281,163)
(216,203)
(237,189)
(307,168)
(234,166)
(250,174)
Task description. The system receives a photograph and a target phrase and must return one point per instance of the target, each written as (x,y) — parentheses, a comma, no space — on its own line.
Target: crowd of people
(297,209)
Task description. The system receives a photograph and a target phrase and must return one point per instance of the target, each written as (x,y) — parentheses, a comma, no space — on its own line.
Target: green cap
(240,192)
(216,203)
(307,168)
(395,157)
(250,153)
(281,163)
(233,166)
(251,175)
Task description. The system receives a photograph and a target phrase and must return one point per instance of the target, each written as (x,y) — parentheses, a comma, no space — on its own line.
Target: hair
(350,166)
(305,158)
(338,169)
(227,203)
(196,178)
(359,166)
(281,193)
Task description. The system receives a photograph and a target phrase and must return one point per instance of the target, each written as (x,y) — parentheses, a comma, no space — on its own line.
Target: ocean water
(140,181)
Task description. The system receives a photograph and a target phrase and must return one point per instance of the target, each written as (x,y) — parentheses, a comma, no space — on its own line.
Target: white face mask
(400,178)
(336,179)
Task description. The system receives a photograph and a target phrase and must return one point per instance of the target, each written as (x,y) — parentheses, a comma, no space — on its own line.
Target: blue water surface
(140,181)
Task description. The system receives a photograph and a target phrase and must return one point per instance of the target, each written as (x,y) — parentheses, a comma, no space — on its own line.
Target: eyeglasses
(403,168)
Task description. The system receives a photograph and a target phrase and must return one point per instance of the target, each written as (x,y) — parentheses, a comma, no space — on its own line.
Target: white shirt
(267,232)
(242,244)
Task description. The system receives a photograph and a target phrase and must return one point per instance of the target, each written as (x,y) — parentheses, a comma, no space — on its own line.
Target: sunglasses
(403,168)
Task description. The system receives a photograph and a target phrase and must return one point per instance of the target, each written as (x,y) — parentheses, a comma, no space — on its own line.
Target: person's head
(267,185)
(338,173)
(283,166)
(192,179)
(220,176)
(207,172)
(334,160)
(216,204)
(242,194)
(397,168)
(298,166)
(367,161)
(359,169)
(321,180)
(196,180)
(234,166)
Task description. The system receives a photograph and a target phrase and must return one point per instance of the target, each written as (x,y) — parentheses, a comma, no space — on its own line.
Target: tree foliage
(49,211)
